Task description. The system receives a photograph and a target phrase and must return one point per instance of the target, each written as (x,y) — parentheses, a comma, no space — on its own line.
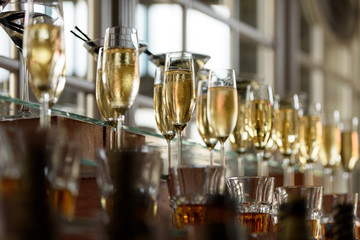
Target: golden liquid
(349,150)
(45,59)
(188,214)
(121,77)
(161,117)
(286,126)
(310,138)
(103,103)
(255,222)
(203,124)
(314,228)
(331,146)
(223,106)
(9,186)
(270,146)
(64,201)
(357,229)
(259,122)
(326,231)
(239,138)
(179,96)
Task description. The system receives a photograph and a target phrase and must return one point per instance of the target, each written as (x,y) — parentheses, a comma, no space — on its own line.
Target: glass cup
(349,149)
(329,203)
(44,53)
(259,102)
(132,173)
(189,189)
(121,78)
(253,196)
(313,196)
(331,147)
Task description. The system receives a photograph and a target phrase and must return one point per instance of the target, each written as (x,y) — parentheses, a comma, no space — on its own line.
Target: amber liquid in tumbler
(189,214)
(9,186)
(255,222)
(203,124)
(64,201)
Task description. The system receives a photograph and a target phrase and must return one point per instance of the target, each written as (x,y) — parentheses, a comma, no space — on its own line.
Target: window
(235,34)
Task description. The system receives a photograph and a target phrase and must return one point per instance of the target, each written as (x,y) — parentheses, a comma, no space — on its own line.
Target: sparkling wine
(189,214)
(203,124)
(331,146)
(349,150)
(45,58)
(103,103)
(122,80)
(286,125)
(161,117)
(259,122)
(310,138)
(179,96)
(270,146)
(239,138)
(255,222)
(223,106)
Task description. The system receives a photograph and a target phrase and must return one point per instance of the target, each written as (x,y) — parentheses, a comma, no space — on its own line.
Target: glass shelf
(193,152)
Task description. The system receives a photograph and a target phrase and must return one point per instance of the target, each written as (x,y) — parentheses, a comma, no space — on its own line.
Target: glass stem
(349,181)
(309,177)
(119,130)
(262,168)
(328,181)
(179,144)
(45,112)
(25,87)
(289,174)
(169,153)
(222,154)
(241,165)
(212,157)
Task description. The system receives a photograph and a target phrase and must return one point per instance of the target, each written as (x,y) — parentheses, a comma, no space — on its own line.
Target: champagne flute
(202,121)
(179,92)
(331,147)
(286,125)
(259,121)
(239,138)
(310,138)
(162,120)
(121,76)
(102,101)
(349,148)
(44,52)
(222,104)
